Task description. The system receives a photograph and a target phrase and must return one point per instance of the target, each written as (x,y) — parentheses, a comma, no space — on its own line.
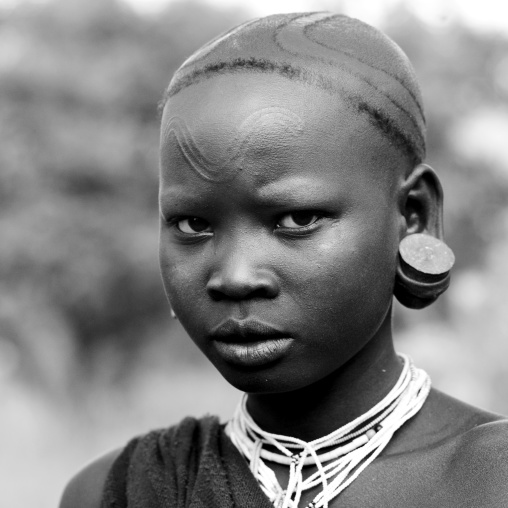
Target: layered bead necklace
(351,448)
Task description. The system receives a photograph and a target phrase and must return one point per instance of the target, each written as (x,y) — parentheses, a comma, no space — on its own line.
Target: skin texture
(283,204)
(327,286)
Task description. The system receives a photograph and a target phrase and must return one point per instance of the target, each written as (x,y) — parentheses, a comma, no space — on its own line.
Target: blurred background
(88,353)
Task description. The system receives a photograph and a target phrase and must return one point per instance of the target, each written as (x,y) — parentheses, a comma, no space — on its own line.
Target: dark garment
(191,465)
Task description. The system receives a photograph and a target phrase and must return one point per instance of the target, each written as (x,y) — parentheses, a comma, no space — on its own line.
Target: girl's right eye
(193,225)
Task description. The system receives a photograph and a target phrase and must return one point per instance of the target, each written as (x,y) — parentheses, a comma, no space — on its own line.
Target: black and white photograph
(253,254)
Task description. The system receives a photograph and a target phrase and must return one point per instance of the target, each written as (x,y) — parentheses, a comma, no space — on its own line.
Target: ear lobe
(422,202)
(424,261)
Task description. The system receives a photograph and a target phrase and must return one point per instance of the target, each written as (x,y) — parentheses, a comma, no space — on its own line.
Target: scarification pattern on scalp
(285,45)
(215,43)
(376,117)
(238,64)
(402,140)
(362,60)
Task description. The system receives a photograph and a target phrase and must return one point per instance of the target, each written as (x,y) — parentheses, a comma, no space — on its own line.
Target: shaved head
(341,55)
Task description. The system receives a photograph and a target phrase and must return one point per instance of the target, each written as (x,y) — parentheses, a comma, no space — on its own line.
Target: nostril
(216,294)
(242,284)
(245,293)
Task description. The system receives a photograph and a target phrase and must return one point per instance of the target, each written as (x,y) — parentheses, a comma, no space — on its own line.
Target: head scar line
(203,52)
(376,116)
(340,55)
(238,64)
(260,65)
(307,49)
(207,169)
(249,130)
(351,55)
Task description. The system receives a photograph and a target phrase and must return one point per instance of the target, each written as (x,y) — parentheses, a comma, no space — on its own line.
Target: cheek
(347,279)
(183,285)
(180,276)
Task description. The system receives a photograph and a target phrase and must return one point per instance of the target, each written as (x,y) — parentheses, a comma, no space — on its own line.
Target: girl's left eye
(298,220)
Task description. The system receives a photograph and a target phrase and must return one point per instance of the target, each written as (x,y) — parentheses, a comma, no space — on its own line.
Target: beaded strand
(355,445)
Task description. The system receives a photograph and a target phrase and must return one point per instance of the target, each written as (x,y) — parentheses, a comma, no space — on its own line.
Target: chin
(267,379)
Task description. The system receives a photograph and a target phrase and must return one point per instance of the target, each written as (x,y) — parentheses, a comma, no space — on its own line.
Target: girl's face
(279,228)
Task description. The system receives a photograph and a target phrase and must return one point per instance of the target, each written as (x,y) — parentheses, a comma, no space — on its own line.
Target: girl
(294,204)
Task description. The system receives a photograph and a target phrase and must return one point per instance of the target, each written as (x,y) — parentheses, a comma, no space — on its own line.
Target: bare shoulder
(477,469)
(478,466)
(473,434)
(84,490)
(461,450)
(484,450)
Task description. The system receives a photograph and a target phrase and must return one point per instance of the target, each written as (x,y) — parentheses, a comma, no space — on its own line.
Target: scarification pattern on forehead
(222,169)
(333,52)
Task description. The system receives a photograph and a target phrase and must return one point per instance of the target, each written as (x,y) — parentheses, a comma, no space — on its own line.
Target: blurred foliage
(81,303)
(80,82)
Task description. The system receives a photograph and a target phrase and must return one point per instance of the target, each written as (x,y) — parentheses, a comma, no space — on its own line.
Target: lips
(250,343)
(245,331)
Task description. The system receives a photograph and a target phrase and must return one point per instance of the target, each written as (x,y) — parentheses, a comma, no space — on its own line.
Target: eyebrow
(295,191)
(291,192)
(176,195)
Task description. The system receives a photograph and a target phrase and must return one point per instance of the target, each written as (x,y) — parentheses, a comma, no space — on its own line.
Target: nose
(240,274)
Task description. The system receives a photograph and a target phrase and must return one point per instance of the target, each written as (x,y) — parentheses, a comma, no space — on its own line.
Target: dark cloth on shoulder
(191,465)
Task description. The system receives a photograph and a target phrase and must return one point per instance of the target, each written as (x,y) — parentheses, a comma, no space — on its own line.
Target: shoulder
(179,442)
(484,449)
(478,466)
(477,455)
(85,489)
(469,433)
(460,450)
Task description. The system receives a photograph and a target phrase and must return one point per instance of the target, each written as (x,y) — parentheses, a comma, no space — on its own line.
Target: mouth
(250,343)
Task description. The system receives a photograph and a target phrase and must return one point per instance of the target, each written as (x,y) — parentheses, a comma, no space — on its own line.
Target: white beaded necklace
(355,445)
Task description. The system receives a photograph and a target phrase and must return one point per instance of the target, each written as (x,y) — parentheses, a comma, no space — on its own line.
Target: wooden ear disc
(423,270)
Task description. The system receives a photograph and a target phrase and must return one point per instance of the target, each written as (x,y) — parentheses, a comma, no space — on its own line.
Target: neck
(337,399)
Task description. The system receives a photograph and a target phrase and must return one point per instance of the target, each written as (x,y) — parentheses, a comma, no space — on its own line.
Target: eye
(193,225)
(298,220)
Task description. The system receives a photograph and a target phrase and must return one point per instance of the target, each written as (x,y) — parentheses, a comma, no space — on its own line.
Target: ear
(424,261)
(421,202)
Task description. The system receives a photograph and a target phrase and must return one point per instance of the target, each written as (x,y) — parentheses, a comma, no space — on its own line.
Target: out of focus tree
(80,81)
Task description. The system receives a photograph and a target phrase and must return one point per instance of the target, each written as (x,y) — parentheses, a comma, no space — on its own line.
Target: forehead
(269,125)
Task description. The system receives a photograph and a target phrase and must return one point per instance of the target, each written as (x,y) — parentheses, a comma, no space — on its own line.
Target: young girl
(294,204)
